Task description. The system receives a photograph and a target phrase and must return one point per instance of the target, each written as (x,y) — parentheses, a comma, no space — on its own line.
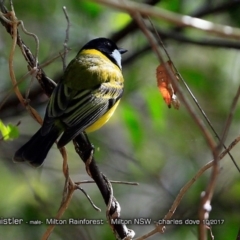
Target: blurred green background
(144,142)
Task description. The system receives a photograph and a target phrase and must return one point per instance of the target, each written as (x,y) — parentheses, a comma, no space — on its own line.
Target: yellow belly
(102,120)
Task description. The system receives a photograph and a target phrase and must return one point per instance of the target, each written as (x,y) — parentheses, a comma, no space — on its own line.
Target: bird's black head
(107,47)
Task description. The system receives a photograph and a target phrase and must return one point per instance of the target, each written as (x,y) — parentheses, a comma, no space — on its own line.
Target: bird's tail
(36,149)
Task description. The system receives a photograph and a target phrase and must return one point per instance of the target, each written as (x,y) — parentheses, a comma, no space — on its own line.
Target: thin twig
(111,181)
(36,40)
(65,45)
(206,197)
(185,188)
(89,199)
(206,118)
(14,23)
(210,231)
(205,206)
(46,83)
(153,44)
(230,116)
(35,69)
(192,95)
(68,191)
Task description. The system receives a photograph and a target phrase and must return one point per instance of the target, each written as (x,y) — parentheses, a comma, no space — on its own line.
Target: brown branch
(46,83)
(68,191)
(221,141)
(84,149)
(65,44)
(160,228)
(205,207)
(82,144)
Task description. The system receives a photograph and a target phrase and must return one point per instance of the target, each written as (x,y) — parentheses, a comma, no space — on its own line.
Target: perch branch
(81,142)
(85,150)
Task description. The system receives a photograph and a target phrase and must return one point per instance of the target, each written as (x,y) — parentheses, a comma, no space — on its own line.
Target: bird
(83,101)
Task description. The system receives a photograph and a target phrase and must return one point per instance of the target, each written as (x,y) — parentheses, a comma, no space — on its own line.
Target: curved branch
(82,143)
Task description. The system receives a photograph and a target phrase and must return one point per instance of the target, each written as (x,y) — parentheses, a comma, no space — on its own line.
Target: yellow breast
(102,120)
(99,69)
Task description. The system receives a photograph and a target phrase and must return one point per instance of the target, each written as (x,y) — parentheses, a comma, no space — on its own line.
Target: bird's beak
(122,50)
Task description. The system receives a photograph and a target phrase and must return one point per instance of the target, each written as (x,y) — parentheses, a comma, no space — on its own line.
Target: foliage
(9,132)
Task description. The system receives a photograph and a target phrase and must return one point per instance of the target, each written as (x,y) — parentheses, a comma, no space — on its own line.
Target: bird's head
(108,48)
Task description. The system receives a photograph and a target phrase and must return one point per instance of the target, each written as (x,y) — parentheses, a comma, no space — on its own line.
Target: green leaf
(156,108)
(119,20)
(132,119)
(92,9)
(9,132)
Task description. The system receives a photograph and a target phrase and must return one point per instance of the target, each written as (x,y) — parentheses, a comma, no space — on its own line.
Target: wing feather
(78,103)
(94,107)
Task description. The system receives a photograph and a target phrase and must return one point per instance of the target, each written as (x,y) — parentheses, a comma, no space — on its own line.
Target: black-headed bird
(84,100)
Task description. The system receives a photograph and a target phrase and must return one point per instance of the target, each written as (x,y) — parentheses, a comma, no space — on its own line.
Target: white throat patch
(117,56)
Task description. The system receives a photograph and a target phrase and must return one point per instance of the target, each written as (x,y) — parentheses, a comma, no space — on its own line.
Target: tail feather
(37,148)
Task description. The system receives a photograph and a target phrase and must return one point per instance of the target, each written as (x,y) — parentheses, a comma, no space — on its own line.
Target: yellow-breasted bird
(84,100)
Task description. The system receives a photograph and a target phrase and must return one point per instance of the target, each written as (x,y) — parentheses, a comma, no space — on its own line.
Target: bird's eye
(108,44)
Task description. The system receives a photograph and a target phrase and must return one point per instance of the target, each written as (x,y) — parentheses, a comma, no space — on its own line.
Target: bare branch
(185,188)
(82,143)
(207,195)
(89,199)
(179,20)
(65,45)
(85,150)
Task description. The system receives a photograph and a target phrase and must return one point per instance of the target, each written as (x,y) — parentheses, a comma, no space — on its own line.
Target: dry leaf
(165,86)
